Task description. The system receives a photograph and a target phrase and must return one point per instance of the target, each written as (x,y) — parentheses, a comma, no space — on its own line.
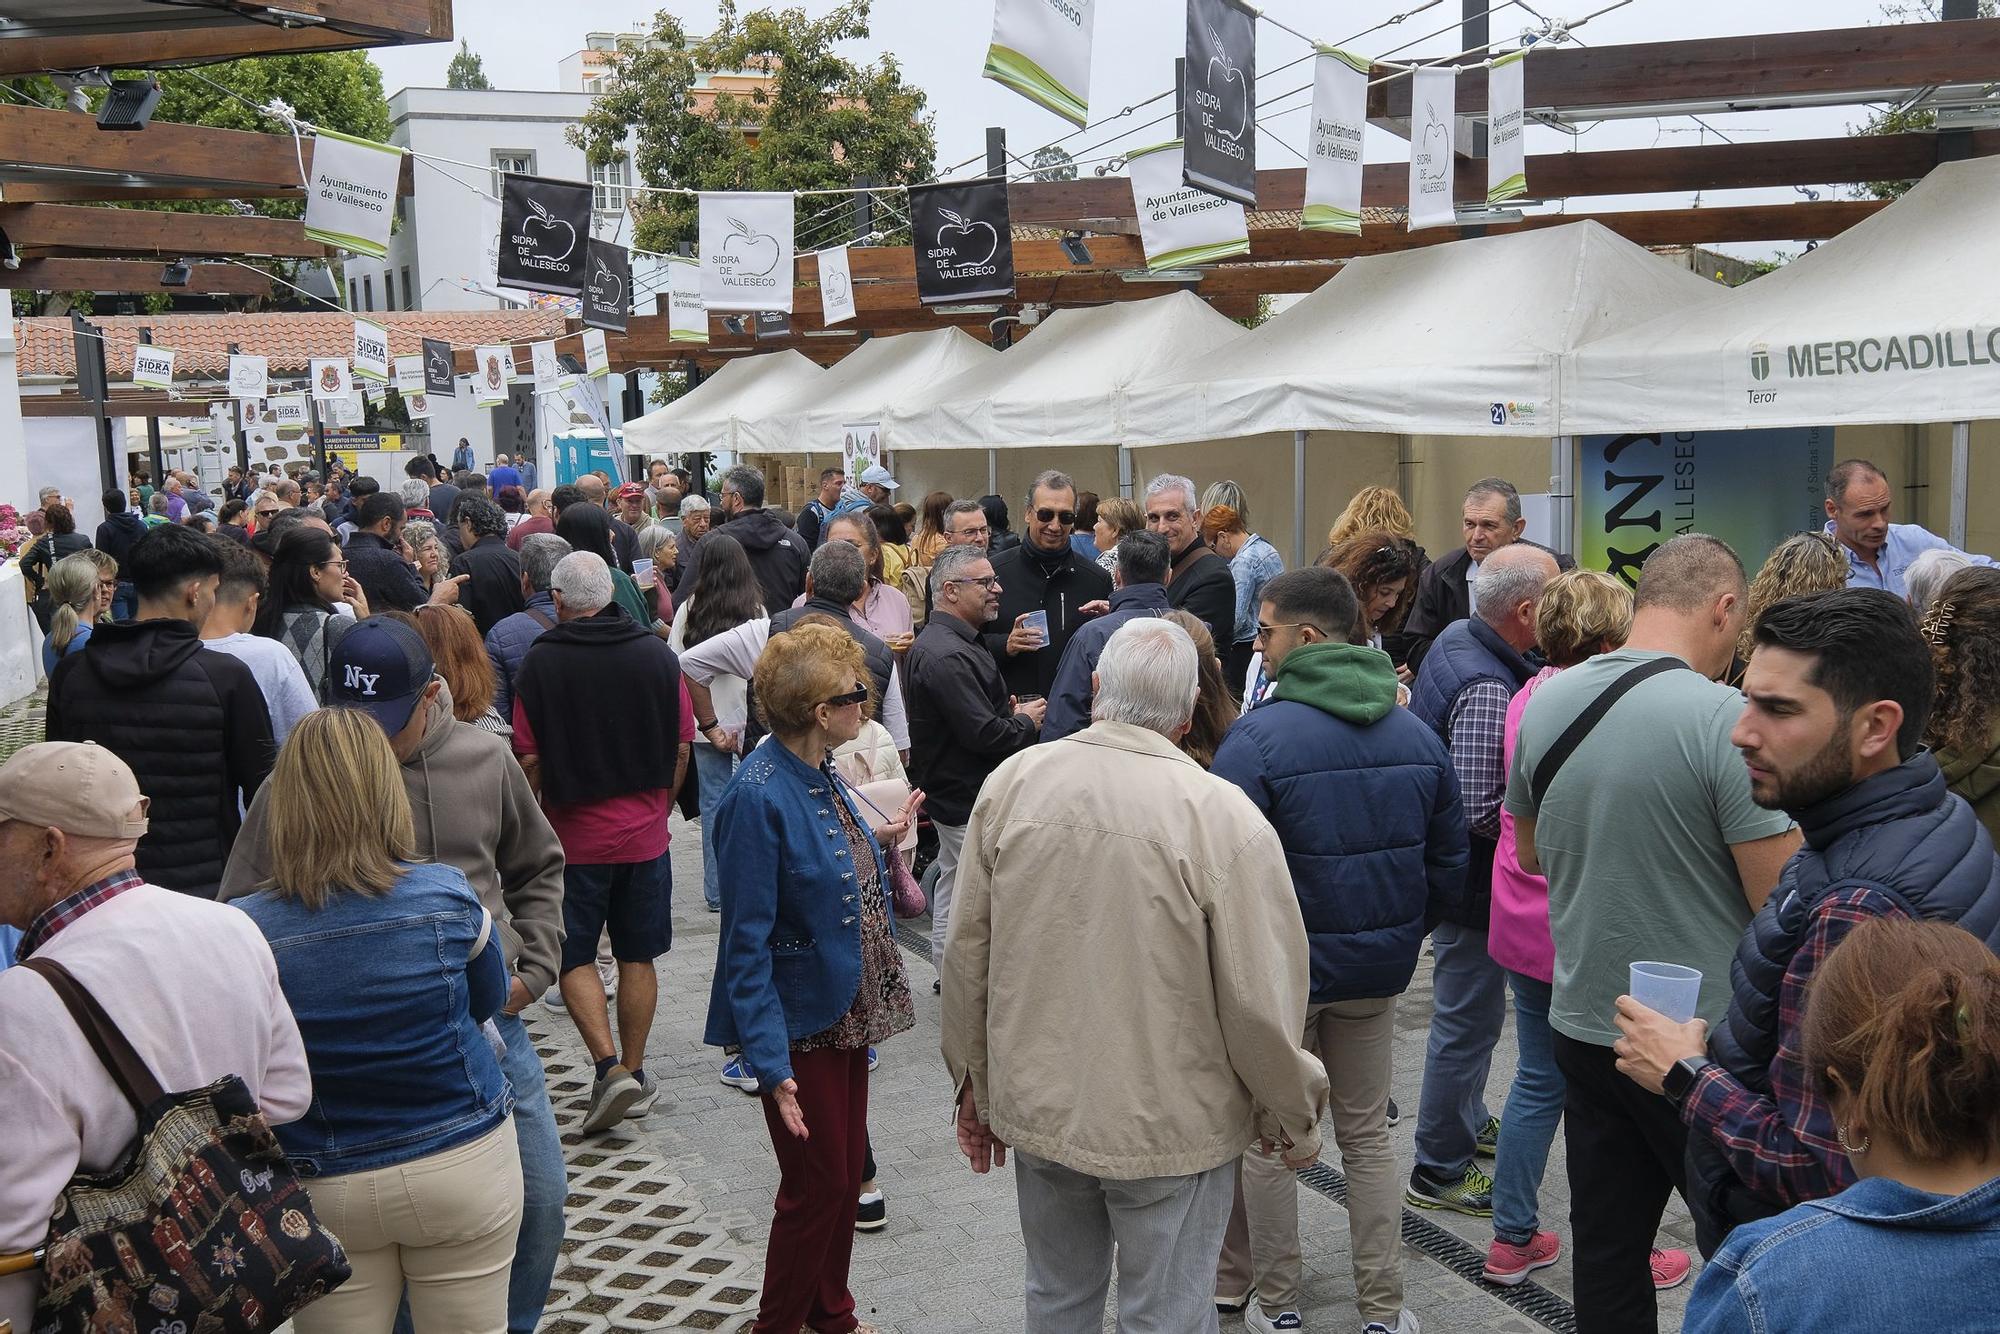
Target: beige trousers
(444,1225)
(1353,1039)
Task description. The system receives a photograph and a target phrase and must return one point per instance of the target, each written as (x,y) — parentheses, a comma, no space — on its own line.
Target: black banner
(544,234)
(607,290)
(438,377)
(773,324)
(964,241)
(1219,101)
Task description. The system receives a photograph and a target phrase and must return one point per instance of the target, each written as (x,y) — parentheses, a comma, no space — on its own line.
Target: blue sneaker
(873,1060)
(738,1075)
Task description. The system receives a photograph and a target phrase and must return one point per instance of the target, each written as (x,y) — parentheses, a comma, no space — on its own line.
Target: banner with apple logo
(491,370)
(1178,224)
(544,234)
(964,240)
(1433,124)
(1219,100)
(607,290)
(249,377)
(547,368)
(1041,49)
(1333,160)
(371,352)
(330,379)
(746,252)
(438,376)
(1506,140)
(836,287)
(687,313)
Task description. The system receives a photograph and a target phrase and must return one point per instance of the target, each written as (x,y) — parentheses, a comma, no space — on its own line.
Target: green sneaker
(1487,1142)
(1470,1194)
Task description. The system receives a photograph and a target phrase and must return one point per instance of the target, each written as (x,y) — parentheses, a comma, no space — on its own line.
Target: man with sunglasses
(1042,575)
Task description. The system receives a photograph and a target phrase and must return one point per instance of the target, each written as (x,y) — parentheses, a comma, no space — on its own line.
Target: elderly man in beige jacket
(1124,989)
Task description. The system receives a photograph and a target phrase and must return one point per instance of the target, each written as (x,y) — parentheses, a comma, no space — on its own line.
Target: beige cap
(78,787)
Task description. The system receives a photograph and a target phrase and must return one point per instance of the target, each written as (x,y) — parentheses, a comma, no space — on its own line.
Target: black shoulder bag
(1586,722)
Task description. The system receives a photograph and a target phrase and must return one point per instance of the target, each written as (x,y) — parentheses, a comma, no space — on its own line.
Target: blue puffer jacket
(1365,801)
(508,642)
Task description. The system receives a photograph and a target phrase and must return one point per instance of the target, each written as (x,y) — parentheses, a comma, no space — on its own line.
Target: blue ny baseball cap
(381,667)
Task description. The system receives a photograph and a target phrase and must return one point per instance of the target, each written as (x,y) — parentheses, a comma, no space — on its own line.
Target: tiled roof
(290,339)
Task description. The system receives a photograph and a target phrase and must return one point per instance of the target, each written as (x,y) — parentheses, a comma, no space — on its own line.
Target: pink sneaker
(1670,1268)
(1508,1264)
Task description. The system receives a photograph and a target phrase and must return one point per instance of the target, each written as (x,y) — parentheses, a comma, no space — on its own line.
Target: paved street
(669,1221)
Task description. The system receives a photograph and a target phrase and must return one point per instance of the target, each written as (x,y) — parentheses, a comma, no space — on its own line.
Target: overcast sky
(942,43)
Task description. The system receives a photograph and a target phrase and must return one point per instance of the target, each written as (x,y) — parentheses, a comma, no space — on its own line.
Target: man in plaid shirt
(1838,692)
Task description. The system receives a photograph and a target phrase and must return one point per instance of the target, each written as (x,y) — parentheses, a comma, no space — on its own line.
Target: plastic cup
(1670,988)
(1038,621)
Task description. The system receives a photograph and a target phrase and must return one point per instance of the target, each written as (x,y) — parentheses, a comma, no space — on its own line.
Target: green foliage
(824,121)
(1053,164)
(466,70)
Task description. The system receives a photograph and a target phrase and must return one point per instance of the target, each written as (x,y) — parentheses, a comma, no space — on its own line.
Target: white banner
(418,404)
(345,412)
(596,359)
(330,378)
(153,367)
(1506,140)
(252,413)
(287,412)
(488,274)
(371,352)
(1041,49)
(492,367)
(1433,122)
(860,447)
(1333,162)
(836,287)
(221,427)
(352,196)
(409,376)
(547,369)
(1178,224)
(687,313)
(746,251)
(249,377)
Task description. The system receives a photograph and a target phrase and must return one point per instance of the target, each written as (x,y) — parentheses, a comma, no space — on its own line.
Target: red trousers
(819,1184)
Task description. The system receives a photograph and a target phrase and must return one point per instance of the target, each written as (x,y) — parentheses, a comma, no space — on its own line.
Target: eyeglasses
(335,564)
(1066,517)
(981,531)
(984,580)
(854,696)
(1266,631)
(111,584)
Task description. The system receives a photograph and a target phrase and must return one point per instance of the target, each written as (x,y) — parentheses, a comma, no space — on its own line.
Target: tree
(1904,119)
(466,70)
(1053,164)
(822,121)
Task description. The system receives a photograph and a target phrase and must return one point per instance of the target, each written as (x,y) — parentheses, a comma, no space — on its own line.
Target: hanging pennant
(153,367)
(249,377)
(346,412)
(252,414)
(596,360)
(289,414)
(1219,99)
(418,405)
(1433,118)
(1339,120)
(371,352)
(330,378)
(607,290)
(687,312)
(351,197)
(544,234)
(1506,141)
(438,377)
(491,369)
(836,286)
(221,423)
(964,241)
(409,375)
(547,369)
(746,252)
(1041,49)
(1178,224)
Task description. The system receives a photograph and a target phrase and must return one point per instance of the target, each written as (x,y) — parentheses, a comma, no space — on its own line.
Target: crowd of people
(1722,844)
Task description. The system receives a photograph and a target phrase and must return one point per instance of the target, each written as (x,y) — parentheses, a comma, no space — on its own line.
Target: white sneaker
(1406,1323)
(1258,1322)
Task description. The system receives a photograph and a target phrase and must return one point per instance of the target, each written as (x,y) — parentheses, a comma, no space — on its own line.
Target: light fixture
(129,105)
(965,310)
(1075,250)
(832,333)
(10,258)
(1161,275)
(1031,314)
(176,274)
(1486,217)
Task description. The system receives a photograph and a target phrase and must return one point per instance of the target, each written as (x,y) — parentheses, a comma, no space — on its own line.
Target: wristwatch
(1681,1076)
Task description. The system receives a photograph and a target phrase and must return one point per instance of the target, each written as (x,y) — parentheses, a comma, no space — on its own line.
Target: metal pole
(1562,494)
(318,434)
(992,472)
(1180,97)
(154,452)
(1956,145)
(1961,469)
(1125,472)
(1298,499)
(87,343)
(242,436)
(996,152)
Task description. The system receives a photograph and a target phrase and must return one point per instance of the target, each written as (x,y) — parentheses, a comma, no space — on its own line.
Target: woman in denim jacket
(1902,1037)
(391,969)
(808,975)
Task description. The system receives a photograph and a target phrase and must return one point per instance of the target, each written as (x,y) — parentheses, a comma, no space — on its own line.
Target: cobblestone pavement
(670,1215)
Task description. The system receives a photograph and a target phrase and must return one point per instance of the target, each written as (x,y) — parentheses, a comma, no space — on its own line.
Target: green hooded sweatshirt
(1353,682)
(1976,777)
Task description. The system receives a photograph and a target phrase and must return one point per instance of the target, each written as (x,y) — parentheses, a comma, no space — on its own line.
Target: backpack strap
(541,617)
(126,1068)
(1585,722)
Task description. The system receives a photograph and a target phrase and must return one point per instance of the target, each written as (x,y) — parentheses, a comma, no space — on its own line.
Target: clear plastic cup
(1670,988)
(1038,621)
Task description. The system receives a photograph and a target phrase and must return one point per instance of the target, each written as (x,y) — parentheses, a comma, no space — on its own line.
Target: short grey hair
(746,482)
(1168,482)
(652,537)
(1050,479)
(960,507)
(1148,675)
(838,572)
(1143,558)
(583,580)
(1504,584)
(414,492)
(1929,573)
(1498,488)
(540,554)
(693,505)
(952,563)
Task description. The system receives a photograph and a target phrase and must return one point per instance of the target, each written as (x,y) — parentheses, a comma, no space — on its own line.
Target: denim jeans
(1468,1009)
(714,770)
(1534,1108)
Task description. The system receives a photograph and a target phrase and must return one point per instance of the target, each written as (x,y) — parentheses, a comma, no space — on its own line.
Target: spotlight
(129,104)
(176,274)
(1075,250)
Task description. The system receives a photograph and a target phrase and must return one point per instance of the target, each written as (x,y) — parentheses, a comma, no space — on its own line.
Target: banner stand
(1562,494)
(1961,480)
(1298,500)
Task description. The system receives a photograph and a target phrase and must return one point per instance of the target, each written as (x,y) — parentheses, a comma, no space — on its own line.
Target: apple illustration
(605,278)
(544,221)
(749,241)
(956,224)
(1230,74)
(246,377)
(1436,144)
(837,289)
(440,365)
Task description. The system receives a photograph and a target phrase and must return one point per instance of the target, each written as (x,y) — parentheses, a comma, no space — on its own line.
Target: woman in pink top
(883,611)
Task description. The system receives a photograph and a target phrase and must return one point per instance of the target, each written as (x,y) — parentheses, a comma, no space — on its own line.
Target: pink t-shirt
(1518,938)
(616,830)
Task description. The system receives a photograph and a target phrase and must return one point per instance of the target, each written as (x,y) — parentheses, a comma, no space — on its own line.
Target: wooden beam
(1755,72)
(134,275)
(71,229)
(123,403)
(179,37)
(111,191)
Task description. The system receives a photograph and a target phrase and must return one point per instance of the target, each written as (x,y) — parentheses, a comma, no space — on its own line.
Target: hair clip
(1937,622)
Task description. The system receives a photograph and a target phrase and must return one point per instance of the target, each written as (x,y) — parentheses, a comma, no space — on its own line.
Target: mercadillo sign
(1768,375)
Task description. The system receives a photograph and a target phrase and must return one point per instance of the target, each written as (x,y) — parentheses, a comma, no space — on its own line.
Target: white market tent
(864,386)
(705,419)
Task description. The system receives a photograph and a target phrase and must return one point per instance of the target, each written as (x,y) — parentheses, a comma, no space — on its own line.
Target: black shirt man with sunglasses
(1044,574)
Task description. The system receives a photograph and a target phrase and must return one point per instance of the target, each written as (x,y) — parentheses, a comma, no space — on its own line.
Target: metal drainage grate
(1530,1299)
(21,723)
